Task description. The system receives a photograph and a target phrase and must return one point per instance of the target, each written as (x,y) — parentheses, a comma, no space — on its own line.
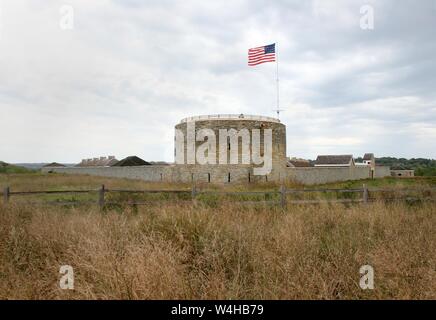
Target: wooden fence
(283,194)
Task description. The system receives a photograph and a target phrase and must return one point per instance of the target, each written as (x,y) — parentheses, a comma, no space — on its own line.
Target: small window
(249,177)
(266,178)
(228,145)
(228,177)
(208,177)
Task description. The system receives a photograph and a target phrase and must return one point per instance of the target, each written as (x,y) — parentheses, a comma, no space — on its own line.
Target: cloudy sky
(129,70)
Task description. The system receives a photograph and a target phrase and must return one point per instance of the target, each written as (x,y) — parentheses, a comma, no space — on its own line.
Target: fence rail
(283,193)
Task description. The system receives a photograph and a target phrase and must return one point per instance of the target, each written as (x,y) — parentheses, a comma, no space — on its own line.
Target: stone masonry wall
(231,173)
(147,173)
(278,147)
(320,175)
(219,174)
(382,171)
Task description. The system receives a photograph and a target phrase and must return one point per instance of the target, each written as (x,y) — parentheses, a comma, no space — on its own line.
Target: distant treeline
(422,167)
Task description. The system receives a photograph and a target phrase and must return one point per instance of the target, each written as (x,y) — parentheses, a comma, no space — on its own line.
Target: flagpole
(277,80)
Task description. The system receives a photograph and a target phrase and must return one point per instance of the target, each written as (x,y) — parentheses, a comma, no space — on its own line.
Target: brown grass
(229,252)
(223,250)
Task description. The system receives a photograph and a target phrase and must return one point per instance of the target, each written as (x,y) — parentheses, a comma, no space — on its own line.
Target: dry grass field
(219,250)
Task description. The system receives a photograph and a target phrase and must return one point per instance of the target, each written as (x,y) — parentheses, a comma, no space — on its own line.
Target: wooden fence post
(283,196)
(6,192)
(365,193)
(193,192)
(101,197)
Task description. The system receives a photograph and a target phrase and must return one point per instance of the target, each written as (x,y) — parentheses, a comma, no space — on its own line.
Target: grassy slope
(11,169)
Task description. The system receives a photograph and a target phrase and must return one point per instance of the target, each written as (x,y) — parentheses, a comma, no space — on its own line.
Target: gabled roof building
(334,161)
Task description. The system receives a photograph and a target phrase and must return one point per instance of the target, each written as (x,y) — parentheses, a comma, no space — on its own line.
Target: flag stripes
(262,54)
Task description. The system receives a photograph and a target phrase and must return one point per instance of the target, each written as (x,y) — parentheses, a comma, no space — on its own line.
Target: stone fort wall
(320,175)
(219,174)
(229,173)
(147,173)
(382,171)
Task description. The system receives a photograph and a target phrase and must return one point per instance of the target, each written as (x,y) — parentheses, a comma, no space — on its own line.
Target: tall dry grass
(172,251)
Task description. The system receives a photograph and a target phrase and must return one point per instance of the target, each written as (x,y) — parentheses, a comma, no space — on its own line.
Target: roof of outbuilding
(334,159)
(368,156)
(299,163)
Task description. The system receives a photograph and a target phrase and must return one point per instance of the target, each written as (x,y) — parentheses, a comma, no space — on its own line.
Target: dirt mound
(54,164)
(131,162)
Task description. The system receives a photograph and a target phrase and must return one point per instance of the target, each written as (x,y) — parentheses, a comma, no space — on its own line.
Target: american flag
(261,55)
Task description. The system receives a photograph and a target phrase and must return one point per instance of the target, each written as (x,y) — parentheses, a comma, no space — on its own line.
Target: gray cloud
(130,70)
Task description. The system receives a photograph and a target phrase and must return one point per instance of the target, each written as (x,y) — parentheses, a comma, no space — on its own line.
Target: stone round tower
(236,143)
